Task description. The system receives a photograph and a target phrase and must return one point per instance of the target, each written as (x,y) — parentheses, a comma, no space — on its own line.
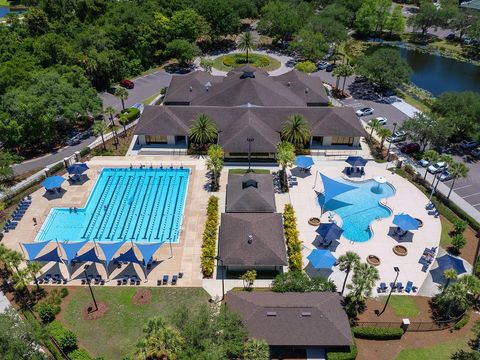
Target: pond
(438,74)
(4,11)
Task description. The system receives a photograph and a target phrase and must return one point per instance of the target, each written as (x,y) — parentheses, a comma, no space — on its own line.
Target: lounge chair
(159,282)
(399,287)
(383,287)
(393,287)
(408,287)
(83,282)
(119,282)
(180,275)
(165,280)
(414,289)
(125,280)
(174,279)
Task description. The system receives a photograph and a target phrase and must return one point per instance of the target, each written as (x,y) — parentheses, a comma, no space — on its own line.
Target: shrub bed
(377,333)
(85,151)
(209,244)
(294,246)
(130,114)
(462,322)
(57,167)
(343,355)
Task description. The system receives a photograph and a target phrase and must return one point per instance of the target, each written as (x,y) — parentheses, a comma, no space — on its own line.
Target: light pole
(219,259)
(90,286)
(390,143)
(250,140)
(397,270)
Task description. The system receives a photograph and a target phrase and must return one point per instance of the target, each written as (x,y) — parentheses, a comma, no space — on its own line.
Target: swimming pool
(139,205)
(359,207)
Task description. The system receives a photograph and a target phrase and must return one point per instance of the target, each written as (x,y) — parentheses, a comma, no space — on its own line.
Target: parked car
(74,140)
(437,167)
(128,84)
(364,111)
(423,162)
(382,120)
(444,176)
(410,148)
(86,134)
(475,152)
(322,65)
(330,67)
(468,144)
(397,136)
(451,37)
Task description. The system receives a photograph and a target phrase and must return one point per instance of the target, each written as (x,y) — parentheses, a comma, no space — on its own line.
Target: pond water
(4,11)
(438,74)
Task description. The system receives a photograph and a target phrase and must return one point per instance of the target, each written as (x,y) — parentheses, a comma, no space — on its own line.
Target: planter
(314,221)
(400,250)
(420,222)
(373,260)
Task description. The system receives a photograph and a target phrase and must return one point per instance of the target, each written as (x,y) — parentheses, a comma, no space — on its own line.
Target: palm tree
(454,297)
(34,268)
(123,121)
(472,283)
(364,278)
(373,124)
(21,279)
(285,157)
(383,133)
(160,341)
(110,111)
(203,130)
(13,259)
(431,156)
(343,70)
(4,251)
(122,94)
(246,43)
(446,159)
(457,171)
(449,274)
(347,263)
(296,130)
(215,163)
(256,349)
(100,128)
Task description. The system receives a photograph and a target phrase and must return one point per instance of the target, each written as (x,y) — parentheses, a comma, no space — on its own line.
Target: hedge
(85,151)
(79,354)
(130,114)
(462,322)
(57,167)
(294,246)
(377,333)
(209,245)
(343,355)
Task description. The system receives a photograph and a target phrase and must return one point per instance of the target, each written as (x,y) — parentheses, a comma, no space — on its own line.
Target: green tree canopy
(182,50)
(189,25)
(427,17)
(372,16)
(220,14)
(296,130)
(203,130)
(310,44)
(298,281)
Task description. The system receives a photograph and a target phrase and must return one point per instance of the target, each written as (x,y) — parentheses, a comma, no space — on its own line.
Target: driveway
(145,86)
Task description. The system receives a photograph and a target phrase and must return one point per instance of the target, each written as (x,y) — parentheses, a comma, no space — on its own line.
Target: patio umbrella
(329,232)
(77,169)
(405,222)
(356,161)
(304,161)
(321,259)
(53,182)
(446,262)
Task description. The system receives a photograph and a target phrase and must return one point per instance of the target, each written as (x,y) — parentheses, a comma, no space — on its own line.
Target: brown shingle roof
(265,247)
(310,89)
(293,319)
(259,199)
(184,88)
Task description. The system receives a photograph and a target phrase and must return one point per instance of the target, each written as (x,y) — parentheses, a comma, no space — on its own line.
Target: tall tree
(246,42)
(34,268)
(421,128)
(343,70)
(110,111)
(285,157)
(220,15)
(383,133)
(100,129)
(427,17)
(372,16)
(363,280)
(395,24)
(296,130)
(189,25)
(215,163)
(122,94)
(374,125)
(311,45)
(347,263)
(182,50)
(431,156)
(203,130)
(256,349)
(457,170)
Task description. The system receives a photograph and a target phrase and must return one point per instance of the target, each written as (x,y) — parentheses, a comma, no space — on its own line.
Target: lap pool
(358,208)
(139,205)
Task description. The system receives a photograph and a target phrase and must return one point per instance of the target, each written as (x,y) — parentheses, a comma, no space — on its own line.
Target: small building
(292,322)
(252,241)
(251,193)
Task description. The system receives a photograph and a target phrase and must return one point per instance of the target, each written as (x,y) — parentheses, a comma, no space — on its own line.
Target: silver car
(437,167)
(445,176)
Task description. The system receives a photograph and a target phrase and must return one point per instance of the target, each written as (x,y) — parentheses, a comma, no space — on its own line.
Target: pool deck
(407,199)
(186,254)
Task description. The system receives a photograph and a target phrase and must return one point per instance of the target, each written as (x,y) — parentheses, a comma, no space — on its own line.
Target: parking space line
(471,195)
(461,187)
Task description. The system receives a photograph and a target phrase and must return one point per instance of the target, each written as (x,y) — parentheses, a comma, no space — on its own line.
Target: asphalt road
(145,86)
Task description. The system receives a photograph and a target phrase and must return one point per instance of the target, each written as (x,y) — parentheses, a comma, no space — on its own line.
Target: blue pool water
(360,207)
(140,205)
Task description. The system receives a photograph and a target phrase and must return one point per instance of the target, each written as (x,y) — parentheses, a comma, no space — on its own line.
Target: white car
(364,111)
(397,136)
(382,120)
(423,163)
(437,167)
(322,65)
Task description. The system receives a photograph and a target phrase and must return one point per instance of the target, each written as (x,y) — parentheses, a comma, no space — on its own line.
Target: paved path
(4,303)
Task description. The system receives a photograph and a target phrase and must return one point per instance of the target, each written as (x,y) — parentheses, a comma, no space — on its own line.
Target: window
(342,140)
(156,139)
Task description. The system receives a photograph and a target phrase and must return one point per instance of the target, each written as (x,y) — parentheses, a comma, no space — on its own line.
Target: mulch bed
(89,312)
(468,252)
(389,316)
(142,297)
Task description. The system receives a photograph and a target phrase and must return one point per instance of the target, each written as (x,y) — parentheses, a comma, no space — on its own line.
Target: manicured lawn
(148,100)
(253,58)
(414,102)
(115,334)
(244,171)
(437,352)
(447,226)
(403,306)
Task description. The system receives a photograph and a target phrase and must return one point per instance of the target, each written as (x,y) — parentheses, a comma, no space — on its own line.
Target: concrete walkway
(4,303)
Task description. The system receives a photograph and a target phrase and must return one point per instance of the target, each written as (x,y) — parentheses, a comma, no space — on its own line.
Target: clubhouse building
(247,103)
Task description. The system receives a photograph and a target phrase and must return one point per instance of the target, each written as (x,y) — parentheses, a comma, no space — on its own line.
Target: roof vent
(250,238)
(271,313)
(249,183)
(306,314)
(306,90)
(289,83)
(191,89)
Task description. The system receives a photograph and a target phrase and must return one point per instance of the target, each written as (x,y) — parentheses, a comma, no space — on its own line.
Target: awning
(356,161)
(128,256)
(77,169)
(71,249)
(50,256)
(446,262)
(147,250)
(53,182)
(329,231)
(33,249)
(405,222)
(332,188)
(110,249)
(304,161)
(89,256)
(321,259)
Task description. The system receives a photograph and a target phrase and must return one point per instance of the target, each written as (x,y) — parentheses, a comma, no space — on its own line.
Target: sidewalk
(4,303)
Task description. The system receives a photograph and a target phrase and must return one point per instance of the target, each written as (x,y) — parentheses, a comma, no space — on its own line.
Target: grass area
(120,150)
(5,3)
(454,47)
(148,100)
(403,306)
(438,352)
(414,102)
(244,171)
(115,334)
(254,59)
(447,227)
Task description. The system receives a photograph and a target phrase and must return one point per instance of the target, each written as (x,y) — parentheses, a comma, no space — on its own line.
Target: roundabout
(234,60)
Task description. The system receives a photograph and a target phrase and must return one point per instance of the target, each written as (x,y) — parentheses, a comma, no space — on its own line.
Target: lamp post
(250,140)
(397,270)
(219,259)
(390,143)
(90,286)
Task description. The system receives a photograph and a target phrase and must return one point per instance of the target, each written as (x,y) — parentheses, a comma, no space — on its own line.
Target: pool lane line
(141,206)
(155,204)
(96,206)
(163,209)
(141,179)
(175,208)
(120,208)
